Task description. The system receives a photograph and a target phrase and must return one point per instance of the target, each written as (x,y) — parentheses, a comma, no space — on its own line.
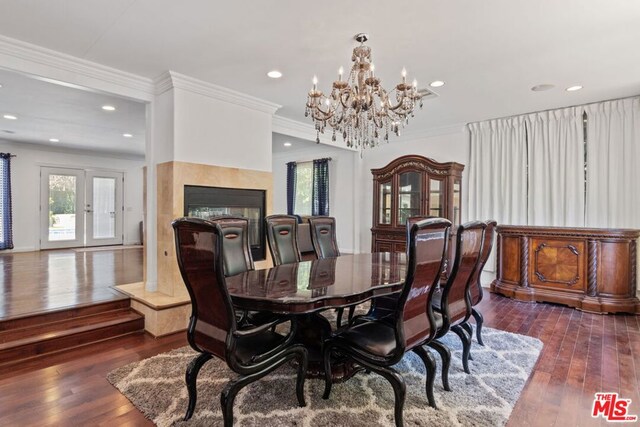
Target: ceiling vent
(427,94)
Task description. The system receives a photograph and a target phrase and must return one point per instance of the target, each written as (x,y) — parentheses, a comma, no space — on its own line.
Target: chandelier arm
(399,104)
(344,99)
(322,116)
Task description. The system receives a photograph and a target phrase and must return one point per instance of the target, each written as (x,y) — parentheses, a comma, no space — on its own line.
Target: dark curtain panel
(6,226)
(291,187)
(320,191)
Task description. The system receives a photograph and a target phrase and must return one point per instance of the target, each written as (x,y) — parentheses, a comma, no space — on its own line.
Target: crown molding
(294,128)
(35,54)
(170,79)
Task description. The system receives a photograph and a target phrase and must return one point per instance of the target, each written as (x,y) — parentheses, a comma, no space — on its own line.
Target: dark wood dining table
(306,288)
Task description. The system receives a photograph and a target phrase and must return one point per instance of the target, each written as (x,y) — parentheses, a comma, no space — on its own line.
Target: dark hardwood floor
(583,353)
(36,282)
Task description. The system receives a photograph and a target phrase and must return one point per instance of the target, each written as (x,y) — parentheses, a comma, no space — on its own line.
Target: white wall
(448,147)
(341,178)
(215,132)
(25,176)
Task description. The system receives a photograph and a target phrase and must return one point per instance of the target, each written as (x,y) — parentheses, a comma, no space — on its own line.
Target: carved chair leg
(467,327)
(230,391)
(303,362)
(466,346)
(399,390)
(190,378)
(397,382)
(430,365)
(445,355)
(339,313)
(352,310)
(479,321)
(326,356)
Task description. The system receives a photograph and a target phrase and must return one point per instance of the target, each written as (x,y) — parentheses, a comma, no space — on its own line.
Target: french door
(80,208)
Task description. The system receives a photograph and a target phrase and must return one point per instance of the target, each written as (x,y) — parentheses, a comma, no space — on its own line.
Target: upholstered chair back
(282,235)
(236,253)
(323,236)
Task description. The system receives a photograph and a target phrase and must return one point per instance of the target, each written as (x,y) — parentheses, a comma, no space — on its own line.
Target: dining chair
(386,304)
(379,344)
(251,352)
(323,236)
(236,255)
(475,289)
(282,235)
(325,244)
(453,302)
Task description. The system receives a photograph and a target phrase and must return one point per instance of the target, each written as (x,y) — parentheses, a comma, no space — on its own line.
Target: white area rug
(500,370)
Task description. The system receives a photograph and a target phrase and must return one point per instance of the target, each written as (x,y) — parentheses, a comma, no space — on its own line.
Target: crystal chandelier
(359,108)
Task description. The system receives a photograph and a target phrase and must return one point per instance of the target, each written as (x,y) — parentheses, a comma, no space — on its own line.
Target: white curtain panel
(498,174)
(556,168)
(498,171)
(613,159)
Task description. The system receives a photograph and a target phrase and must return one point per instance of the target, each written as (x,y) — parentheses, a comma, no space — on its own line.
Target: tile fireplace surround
(167,310)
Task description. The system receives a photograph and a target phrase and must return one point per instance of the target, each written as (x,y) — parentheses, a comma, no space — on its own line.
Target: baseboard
(21,249)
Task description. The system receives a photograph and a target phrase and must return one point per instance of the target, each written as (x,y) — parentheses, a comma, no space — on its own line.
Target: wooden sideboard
(588,268)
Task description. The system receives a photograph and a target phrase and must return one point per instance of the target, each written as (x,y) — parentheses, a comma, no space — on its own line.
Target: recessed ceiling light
(436,83)
(287,144)
(542,87)
(108,108)
(574,88)
(127,135)
(274,74)
(54,140)
(10,117)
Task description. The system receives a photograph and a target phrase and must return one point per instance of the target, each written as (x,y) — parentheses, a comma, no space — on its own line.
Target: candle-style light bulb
(340,71)
(415,84)
(373,70)
(315,82)
(404,75)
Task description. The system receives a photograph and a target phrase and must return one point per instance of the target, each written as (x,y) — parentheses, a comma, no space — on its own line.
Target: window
(308,187)
(6,232)
(304,188)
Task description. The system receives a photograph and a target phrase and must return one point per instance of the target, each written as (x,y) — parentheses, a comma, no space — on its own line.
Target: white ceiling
(490,53)
(297,144)
(74,116)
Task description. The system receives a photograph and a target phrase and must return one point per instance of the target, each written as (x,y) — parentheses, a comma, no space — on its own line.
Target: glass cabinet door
(409,196)
(384,216)
(456,203)
(436,197)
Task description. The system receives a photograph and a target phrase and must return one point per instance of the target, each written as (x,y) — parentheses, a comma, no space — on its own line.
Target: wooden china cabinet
(412,186)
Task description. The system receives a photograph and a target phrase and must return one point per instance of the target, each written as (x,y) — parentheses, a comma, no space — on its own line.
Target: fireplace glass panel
(252,214)
(209,202)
